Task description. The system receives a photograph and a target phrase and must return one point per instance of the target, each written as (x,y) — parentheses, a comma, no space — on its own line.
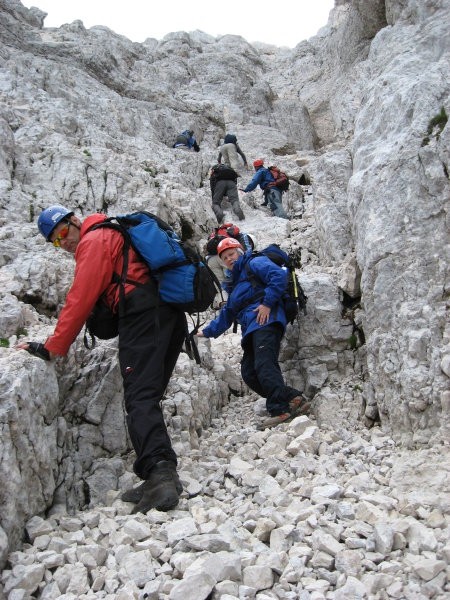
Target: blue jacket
(240,307)
(190,141)
(262,177)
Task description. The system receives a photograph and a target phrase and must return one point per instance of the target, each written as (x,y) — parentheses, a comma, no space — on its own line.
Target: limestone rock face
(357,117)
(398,202)
(30,423)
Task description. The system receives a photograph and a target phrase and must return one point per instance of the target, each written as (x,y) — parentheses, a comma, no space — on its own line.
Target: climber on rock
(186,140)
(272,195)
(151,335)
(262,318)
(230,152)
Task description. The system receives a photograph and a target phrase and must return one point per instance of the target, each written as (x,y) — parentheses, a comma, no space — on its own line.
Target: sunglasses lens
(61,236)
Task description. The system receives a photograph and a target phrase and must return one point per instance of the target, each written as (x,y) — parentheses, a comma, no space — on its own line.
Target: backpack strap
(117,279)
(89,345)
(121,279)
(190,341)
(256,283)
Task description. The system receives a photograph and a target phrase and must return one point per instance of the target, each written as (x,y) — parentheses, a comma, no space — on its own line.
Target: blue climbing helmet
(50,217)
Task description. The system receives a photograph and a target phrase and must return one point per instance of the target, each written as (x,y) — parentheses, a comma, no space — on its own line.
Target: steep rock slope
(88,118)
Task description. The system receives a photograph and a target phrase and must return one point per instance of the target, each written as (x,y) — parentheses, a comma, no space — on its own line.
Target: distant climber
(229,152)
(223,182)
(186,140)
(272,195)
(228,230)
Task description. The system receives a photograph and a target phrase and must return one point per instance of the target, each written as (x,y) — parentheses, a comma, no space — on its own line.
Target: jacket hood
(90,221)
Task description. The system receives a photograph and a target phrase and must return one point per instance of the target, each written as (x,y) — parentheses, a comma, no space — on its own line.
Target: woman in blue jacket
(260,313)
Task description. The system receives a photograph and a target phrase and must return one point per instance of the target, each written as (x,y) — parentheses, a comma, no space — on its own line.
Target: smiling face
(229,257)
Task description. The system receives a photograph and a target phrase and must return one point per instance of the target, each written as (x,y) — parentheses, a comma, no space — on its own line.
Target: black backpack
(230,139)
(220,172)
(294,298)
(182,139)
(211,246)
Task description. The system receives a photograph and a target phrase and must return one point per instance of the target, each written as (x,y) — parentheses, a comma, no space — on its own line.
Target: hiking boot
(297,406)
(135,494)
(277,420)
(159,490)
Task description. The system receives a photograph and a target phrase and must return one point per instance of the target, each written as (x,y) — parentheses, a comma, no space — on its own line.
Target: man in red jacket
(151,335)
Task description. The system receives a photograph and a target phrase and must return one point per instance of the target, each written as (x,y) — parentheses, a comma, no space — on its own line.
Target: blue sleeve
(273,278)
(255,180)
(220,324)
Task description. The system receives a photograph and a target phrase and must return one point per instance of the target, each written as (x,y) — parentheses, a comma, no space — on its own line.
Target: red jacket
(98,256)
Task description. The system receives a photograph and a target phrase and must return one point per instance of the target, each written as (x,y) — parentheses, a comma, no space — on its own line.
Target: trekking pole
(293,263)
(299,295)
(294,283)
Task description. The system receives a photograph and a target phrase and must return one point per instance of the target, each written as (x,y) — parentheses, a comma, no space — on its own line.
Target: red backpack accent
(226,230)
(220,233)
(281,179)
(229,230)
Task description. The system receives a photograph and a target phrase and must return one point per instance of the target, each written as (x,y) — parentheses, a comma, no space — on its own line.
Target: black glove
(38,349)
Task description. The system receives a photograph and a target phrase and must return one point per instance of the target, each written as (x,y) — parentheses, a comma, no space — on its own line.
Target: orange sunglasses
(63,233)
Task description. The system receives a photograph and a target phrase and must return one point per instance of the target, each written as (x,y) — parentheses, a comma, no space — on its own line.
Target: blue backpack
(182,279)
(181,276)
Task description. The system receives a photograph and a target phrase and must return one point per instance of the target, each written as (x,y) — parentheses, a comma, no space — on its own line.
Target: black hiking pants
(261,371)
(150,341)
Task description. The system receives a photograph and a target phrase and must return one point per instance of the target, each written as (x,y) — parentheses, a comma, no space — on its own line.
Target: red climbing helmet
(228,243)
(258,163)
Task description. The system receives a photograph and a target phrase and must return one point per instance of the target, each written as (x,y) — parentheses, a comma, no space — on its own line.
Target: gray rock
(384,538)
(324,505)
(258,577)
(196,586)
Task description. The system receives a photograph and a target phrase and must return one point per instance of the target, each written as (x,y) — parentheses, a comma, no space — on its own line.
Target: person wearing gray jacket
(230,152)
